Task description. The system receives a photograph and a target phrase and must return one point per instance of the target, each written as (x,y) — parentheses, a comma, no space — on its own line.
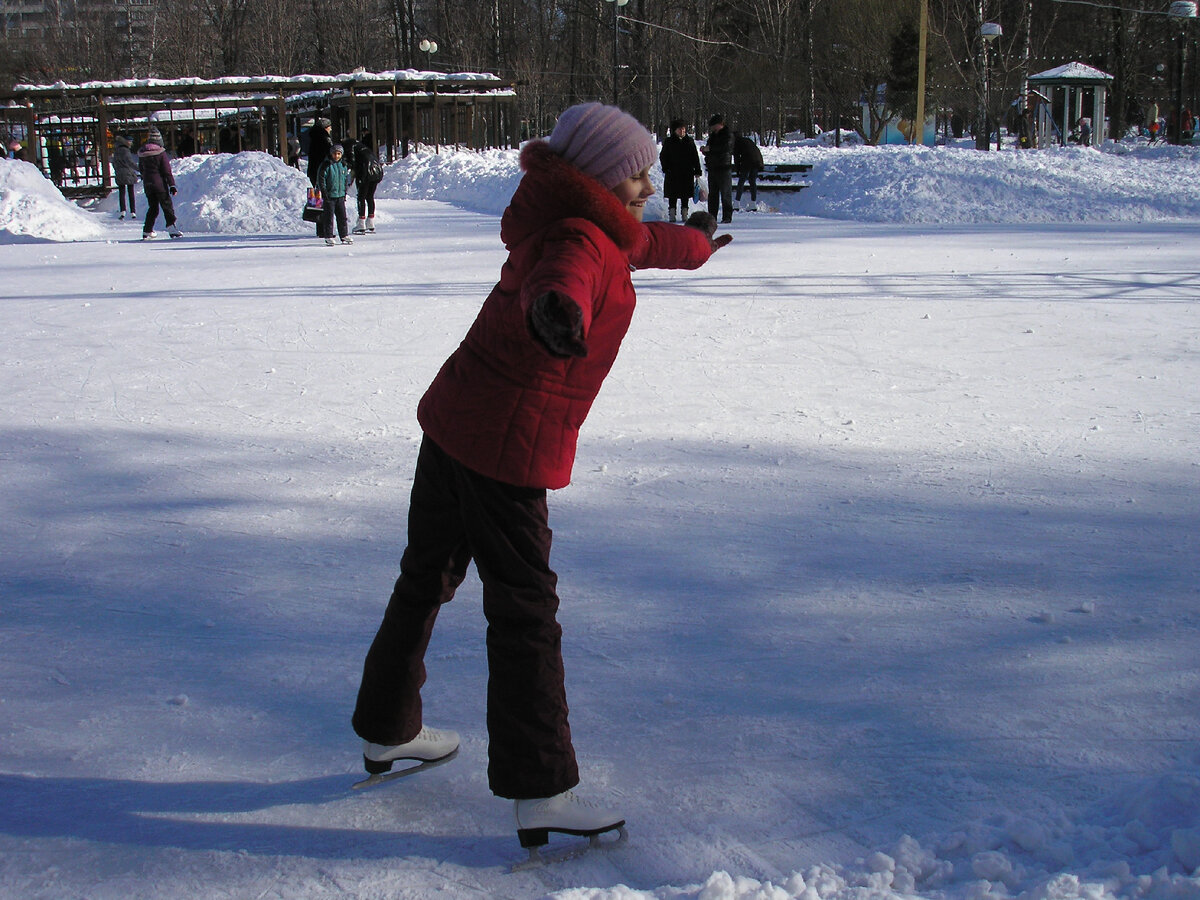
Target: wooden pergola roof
(126,100)
(406,80)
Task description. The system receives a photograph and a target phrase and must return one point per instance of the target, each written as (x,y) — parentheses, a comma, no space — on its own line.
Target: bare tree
(771,65)
(227,19)
(275,49)
(772,60)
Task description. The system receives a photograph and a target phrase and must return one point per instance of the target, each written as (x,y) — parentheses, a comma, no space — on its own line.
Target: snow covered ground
(880,569)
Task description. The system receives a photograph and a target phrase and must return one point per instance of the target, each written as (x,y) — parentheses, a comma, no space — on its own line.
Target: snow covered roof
(236,82)
(1072,73)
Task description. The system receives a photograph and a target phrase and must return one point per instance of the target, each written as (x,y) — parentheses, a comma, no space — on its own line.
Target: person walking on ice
(500,423)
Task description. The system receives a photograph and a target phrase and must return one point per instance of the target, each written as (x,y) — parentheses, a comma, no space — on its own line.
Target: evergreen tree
(902,70)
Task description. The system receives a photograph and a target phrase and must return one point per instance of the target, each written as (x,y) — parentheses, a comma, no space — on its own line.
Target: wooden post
(102,128)
(281,117)
(196,141)
(416,122)
(31,134)
(396,124)
(437,122)
(919,123)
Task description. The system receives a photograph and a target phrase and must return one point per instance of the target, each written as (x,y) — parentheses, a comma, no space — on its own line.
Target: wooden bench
(784,177)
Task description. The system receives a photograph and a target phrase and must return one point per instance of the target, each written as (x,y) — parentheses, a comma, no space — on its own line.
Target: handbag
(312,206)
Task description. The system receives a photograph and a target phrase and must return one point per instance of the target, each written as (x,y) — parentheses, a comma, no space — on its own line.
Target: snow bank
(965,186)
(1144,844)
(233,193)
(32,207)
(479,181)
(255,193)
(949,185)
(240,193)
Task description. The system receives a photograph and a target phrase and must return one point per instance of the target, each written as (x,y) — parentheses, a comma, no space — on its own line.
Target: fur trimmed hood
(553,189)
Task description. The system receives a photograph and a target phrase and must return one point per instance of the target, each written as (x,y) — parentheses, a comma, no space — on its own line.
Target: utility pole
(918,135)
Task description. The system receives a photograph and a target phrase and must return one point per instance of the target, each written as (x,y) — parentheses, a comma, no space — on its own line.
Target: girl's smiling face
(634,191)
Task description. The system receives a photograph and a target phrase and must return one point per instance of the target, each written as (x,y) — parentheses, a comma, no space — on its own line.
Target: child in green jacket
(333,179)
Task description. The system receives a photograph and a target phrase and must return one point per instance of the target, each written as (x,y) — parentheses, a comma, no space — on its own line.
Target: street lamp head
(1182,9)
(428,46)
(618,2)
(991,31)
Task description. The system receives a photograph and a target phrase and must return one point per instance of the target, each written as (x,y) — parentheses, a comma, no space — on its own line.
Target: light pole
(1182,11)
(428,47)
(988,33)
(616,60)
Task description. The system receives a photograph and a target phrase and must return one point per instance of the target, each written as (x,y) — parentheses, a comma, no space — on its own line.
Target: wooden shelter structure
(1061,92)
(68,129)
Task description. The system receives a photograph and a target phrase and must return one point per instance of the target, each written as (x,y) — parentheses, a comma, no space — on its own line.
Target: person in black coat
(320,142)
(187,144)
(748,161)
(680,161)
(718,159)
(364,153)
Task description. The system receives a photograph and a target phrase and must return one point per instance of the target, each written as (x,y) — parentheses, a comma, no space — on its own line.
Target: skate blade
(422,765)
(539,858)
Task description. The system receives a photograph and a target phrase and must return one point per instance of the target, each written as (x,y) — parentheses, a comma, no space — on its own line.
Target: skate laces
(566,800)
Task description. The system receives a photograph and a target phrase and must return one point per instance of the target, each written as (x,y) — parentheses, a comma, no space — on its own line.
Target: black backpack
(373,170)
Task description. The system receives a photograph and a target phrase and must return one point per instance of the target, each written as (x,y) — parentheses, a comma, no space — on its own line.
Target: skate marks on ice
(882,284)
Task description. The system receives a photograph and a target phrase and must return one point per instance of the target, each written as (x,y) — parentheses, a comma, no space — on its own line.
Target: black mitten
(702,221)
(707,225)
(557,322)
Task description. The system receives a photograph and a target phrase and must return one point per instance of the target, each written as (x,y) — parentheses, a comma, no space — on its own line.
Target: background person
(680,161)
(718,160)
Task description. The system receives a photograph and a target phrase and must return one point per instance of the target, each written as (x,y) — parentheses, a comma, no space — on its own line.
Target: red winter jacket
(501,404)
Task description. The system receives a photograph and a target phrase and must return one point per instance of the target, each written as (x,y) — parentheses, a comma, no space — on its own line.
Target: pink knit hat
(604,142)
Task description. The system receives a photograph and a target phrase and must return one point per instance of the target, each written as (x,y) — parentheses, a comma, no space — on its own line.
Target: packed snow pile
(951,185)
(234,193)
(240,193)
(954,185)
(32,207)
(479,181)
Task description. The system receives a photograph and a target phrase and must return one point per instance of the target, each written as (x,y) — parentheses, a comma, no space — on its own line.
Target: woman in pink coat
(500,425)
